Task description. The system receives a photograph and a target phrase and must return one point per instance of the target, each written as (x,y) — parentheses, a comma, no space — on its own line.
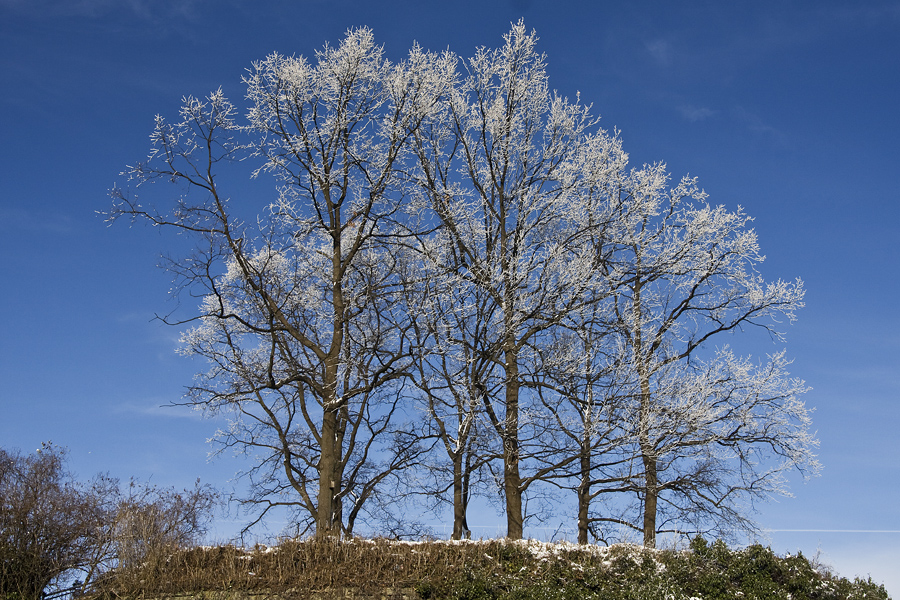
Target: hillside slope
(484,570)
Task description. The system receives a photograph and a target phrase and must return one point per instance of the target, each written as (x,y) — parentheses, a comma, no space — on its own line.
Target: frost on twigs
(459,287)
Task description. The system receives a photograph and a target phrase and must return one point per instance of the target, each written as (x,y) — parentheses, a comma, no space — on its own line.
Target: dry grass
(380,569)
(301,568)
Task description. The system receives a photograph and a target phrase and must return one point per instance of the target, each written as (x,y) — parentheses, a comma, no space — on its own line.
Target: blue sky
(789,109)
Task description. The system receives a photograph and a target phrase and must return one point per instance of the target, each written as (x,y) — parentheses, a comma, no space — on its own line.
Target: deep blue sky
(789,109)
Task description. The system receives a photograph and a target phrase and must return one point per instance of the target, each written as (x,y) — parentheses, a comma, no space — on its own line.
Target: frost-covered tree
(711,430)
(301,319)
(578,384)
(519,180)
(455,231)
(454,372)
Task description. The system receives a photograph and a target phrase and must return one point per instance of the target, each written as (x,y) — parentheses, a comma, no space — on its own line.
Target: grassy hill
(483,570)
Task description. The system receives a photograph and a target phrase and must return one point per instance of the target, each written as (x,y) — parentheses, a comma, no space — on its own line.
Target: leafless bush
(150,522)
(55,530)
(48,523)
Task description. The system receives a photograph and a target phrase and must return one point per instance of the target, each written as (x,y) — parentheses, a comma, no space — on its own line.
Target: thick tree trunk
(651,495)
(584,495)
(328,520)
(512,480)
(460,527)
(325,522)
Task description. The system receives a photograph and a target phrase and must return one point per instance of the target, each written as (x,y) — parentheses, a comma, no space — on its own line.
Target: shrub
(48,523)
(59,535)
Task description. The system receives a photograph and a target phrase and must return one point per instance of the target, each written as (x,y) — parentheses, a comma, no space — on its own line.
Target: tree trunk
(648,456)
(328,523)
(648,451)
(651,494)
(460,527)
(328,520)
(325,525)
(584,495)
(512,480)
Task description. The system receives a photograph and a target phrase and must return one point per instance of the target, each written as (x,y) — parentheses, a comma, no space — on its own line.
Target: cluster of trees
(460,287)
(59,536)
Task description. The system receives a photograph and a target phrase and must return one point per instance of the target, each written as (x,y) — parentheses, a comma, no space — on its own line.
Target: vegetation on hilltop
(485,570)
(64,539)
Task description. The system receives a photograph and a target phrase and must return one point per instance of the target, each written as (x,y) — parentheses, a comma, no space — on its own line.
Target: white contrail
(833,530)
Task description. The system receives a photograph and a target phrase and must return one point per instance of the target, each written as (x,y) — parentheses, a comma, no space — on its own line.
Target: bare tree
(301,321)
(59,535)
(578,386)
(706,431)
(454,373)
(48,525)
(519,180)
(149,522)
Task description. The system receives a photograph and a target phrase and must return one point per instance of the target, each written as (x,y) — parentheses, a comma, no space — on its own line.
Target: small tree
(150,522)
(55,530)
(519,180)
(710,430)
(577,385)
(49,524)
(454,373)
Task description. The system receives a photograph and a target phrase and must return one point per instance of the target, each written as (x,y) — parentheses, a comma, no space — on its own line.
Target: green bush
(706,571)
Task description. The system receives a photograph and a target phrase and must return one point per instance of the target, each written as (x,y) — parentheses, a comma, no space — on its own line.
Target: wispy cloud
(756,124)
(156,408)
(660,51)
(696,113)
(833,530)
